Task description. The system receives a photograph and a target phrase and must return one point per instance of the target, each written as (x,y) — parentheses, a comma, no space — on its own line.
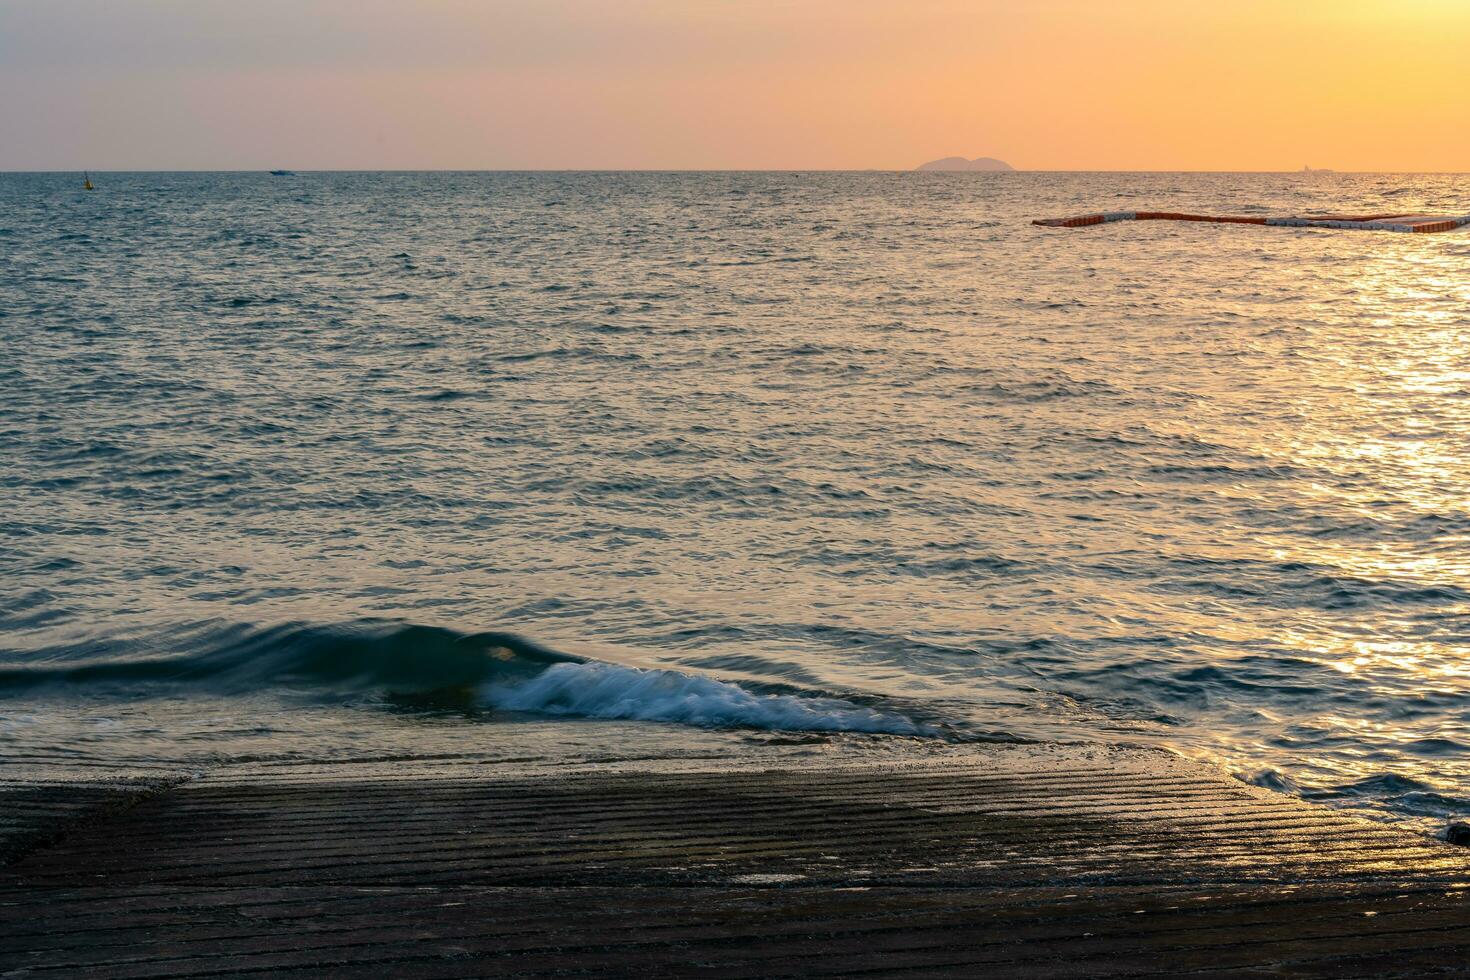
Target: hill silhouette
(960,163)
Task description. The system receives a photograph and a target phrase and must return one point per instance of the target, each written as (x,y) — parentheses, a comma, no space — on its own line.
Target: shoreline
(866,856)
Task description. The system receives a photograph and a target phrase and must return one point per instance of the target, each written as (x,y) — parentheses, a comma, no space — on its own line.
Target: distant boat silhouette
(283,173)
(87,182)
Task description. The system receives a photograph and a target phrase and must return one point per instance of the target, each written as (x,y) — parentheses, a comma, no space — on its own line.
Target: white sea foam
(603,690)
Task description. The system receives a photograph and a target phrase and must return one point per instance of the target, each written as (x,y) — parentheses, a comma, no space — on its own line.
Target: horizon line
(697,170)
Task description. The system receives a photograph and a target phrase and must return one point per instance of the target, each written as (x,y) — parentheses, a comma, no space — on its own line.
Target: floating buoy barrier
(1413,223)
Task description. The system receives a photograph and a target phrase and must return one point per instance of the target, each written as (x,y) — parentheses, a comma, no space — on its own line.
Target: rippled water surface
(287,457)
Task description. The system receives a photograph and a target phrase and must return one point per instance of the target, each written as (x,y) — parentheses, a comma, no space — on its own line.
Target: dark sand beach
(867,858)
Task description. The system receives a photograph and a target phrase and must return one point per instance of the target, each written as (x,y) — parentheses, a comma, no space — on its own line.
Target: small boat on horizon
(283,173)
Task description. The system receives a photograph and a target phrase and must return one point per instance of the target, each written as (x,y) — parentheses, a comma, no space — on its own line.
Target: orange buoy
(1413,223)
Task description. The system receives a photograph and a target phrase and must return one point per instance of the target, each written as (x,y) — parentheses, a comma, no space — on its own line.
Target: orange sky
(1045,84)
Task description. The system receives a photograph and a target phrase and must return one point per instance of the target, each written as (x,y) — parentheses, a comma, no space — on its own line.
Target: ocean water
(289,465)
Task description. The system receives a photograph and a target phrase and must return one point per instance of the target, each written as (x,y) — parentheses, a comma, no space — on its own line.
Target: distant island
(960,163)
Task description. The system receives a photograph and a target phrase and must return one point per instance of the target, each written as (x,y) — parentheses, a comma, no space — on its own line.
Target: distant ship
(1315,170)
(283,173)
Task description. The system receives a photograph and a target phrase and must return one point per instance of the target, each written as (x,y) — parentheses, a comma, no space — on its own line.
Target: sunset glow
(844,84)
(693,488)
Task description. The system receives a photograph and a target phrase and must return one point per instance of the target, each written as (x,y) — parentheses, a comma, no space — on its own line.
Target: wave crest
(405,662)
(594,689)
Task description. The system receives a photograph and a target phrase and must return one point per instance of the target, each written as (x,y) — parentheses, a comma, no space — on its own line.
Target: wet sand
(804,858)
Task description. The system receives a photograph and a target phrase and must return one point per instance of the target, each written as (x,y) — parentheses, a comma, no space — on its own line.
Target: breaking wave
(498,671)
(602,690)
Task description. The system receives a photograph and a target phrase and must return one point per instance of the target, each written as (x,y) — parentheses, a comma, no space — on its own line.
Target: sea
(309,465)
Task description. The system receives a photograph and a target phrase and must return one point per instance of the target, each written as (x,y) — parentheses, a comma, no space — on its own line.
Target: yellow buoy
(87,181)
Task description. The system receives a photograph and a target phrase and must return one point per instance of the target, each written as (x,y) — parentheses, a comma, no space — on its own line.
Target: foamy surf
(595,689)
(406,663)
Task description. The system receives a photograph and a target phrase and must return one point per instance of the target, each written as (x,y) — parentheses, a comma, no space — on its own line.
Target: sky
(734,84)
